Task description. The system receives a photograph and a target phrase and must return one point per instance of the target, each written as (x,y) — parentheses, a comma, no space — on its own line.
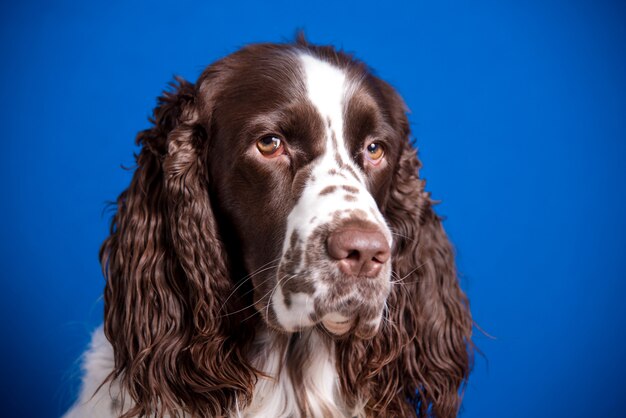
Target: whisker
(270,293)
(386,314)
(244,279)
(251,316)
(262,283)
(264,265)
(251,305)
(403,236)
(401,279)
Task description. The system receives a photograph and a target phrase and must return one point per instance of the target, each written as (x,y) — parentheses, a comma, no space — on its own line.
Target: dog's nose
(359,252)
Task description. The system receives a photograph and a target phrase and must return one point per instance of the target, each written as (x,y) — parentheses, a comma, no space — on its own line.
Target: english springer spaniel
(276,254)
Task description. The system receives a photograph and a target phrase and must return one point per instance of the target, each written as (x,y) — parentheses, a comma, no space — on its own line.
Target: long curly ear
(427,305)
(167,277)
(422,355)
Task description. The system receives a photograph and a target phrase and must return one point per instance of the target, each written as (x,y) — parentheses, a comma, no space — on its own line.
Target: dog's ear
(422,355)
(427,305)
(167,277)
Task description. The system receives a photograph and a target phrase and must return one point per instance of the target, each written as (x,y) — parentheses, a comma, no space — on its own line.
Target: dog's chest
(301,379)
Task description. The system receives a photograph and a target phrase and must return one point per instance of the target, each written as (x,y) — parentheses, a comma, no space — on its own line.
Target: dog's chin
(340,327)
(349,328)
(337,324)
(351,318)
(334,325)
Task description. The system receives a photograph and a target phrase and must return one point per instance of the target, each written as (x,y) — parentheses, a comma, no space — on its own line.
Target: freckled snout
(359,252)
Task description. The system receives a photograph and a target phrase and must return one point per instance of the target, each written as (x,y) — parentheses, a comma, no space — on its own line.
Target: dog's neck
(299,376)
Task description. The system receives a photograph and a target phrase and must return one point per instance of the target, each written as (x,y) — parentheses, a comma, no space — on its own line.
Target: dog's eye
(374,152)
(270,146)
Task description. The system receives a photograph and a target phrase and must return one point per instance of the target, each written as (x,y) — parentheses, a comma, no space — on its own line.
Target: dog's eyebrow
(267,121)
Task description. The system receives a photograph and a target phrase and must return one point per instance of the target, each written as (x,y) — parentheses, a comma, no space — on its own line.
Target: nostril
(354,255)
(382,256)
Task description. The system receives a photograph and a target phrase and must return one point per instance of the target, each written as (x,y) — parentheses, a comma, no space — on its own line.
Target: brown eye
(270,146)
(374,152)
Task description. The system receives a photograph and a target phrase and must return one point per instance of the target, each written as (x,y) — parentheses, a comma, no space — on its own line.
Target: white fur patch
(275,397)
(328,89)
(98,363)
(293,319)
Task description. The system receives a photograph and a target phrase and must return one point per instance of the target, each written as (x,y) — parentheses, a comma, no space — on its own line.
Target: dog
(276,254)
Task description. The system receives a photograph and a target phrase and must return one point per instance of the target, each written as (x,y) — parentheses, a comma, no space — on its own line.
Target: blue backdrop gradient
(518,109)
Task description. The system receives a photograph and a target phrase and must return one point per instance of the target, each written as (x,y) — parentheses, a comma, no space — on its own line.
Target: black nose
(360,252)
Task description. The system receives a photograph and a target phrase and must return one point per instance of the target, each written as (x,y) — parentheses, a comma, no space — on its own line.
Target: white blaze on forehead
(326,89)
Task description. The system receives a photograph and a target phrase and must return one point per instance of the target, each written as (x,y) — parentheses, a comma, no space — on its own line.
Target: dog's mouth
(340,326)
(337,324)
(337,306)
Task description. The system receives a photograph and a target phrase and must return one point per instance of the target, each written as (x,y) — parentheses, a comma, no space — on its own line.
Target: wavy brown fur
(420,357)
(168,277)
(423,353)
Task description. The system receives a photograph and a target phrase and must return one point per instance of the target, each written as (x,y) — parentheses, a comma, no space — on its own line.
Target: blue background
(519,111)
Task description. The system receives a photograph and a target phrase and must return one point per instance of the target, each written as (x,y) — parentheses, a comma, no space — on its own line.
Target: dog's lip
(337,324)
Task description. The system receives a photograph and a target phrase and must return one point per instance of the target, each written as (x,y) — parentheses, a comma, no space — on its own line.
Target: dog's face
(301,156)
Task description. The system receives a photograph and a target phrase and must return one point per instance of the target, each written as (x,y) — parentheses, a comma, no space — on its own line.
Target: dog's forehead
(326,88)
(258,85)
